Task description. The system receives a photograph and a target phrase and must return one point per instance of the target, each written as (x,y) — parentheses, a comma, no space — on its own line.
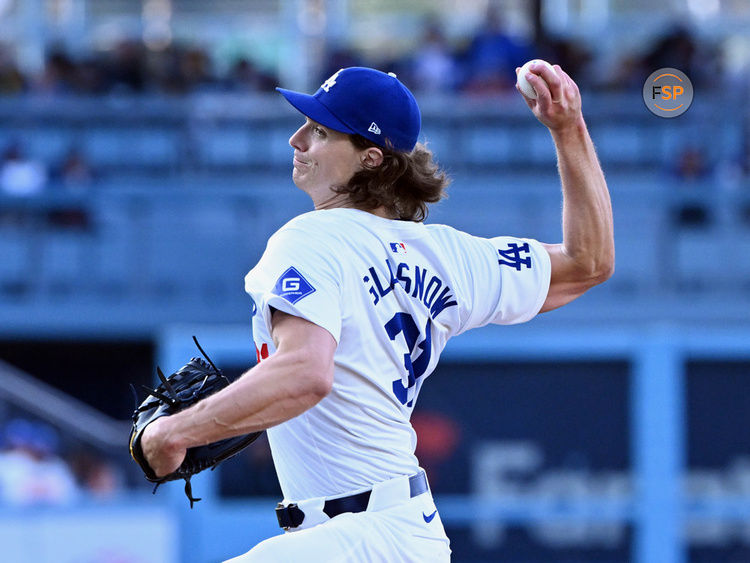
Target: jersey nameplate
(415,281)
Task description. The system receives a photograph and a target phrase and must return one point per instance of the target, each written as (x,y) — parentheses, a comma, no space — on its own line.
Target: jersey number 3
(403,323)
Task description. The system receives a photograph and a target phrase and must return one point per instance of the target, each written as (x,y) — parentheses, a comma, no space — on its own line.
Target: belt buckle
(289,516)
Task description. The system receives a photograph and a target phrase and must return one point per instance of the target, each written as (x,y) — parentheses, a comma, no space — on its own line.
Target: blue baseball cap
(366,102)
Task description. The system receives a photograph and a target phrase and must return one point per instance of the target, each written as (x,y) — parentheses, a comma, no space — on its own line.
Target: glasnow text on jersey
(419,283)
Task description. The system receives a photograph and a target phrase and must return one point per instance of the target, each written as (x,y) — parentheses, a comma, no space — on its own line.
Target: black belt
(291,516)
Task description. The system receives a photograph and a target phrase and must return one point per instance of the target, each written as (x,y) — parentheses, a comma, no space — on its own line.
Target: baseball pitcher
(354,302)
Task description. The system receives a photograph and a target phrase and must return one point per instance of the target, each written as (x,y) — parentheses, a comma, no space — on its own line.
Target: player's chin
(299,179)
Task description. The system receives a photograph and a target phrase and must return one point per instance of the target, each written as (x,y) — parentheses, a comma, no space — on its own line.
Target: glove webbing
(188,491)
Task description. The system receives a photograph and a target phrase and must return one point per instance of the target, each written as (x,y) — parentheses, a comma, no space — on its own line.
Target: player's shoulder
(323,219)
(337,223)
(315,228)
(304,226)
(442,229)
(300,222)
(447,233)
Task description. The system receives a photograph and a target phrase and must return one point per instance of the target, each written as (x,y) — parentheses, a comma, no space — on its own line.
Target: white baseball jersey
(391,293)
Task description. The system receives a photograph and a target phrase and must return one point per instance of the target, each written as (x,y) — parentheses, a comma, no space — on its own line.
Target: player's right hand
(162,455)
(558,102)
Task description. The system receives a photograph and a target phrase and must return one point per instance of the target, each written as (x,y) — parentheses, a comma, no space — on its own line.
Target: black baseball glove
(192,382)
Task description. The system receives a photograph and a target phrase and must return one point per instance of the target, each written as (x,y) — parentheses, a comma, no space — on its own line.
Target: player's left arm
(586,257)
(284,385)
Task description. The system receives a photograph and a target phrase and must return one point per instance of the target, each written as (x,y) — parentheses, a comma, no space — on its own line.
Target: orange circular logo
(668,92)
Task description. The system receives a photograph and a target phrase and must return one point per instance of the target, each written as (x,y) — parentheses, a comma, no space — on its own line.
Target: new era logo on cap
(366,102)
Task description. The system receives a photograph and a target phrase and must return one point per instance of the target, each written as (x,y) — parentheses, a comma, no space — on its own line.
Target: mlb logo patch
(398,247)
(292,286)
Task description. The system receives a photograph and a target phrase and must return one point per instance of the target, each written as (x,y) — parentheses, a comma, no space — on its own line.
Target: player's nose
(297,140)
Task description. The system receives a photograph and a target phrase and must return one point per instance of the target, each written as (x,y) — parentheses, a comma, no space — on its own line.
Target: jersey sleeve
(299,275)
(507,279)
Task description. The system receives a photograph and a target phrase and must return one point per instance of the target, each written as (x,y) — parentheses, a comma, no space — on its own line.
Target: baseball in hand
(523,84)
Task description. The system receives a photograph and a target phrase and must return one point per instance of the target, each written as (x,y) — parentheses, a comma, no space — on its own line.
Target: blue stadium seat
(49,144)
(713,258)
(65,256)
(541,147)
(279,151)
(444,142)
(15,256)
(488,145)
(620,143)
(132,147)
(231,146)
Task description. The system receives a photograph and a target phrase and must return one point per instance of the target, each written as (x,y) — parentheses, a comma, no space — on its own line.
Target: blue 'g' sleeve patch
(292,286)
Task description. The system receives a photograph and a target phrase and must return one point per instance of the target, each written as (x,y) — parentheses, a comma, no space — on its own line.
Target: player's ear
(372,157)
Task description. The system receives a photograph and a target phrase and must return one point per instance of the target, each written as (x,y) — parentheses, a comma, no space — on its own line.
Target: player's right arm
(286,384)
(586,256)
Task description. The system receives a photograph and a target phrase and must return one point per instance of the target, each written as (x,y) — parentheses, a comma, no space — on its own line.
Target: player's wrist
(163,434)
(575,130)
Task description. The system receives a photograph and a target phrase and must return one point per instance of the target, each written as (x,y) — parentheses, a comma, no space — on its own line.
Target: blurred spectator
(626,74)
(58,76)
(127,67)
(245,76)
(75,172)
(691,170)
(492,56)
(195,69)
(96,475)
(20,175)
(433,68)
(677,48)
(11,79)
(162,71)
(571,55)
(131,68)
(692,165)
(338,58)
(75,175)
(90,77)
(31,471)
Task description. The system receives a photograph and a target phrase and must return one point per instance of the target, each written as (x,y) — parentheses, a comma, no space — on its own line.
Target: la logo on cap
(331,81)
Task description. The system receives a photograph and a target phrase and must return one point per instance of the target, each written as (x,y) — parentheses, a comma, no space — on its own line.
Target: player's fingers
(543,95)
(571,88)
(555,83)
(529,102)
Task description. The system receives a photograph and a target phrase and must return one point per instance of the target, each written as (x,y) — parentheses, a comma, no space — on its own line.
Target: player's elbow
(596,275)
(319,381)
(596,268)
(314,374)
(605,267)
(607,271)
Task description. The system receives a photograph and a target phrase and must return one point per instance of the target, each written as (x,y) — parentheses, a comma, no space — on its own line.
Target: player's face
(323,158)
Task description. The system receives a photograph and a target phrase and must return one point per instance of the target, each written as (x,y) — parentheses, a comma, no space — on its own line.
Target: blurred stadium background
(145,163)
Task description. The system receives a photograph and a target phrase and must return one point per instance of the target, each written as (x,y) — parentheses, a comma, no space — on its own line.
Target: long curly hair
(404,183)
